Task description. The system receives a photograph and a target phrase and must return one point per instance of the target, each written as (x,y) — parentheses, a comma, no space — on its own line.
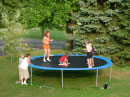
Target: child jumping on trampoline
(64,60)
(46,45)
(93,50)
(23,69)
(89,54)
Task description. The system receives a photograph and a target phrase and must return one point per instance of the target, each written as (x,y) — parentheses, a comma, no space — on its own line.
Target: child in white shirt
(23,69)
(20,61)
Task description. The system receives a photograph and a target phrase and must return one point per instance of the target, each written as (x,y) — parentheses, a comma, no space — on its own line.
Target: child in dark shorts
(93,50)
(89,53)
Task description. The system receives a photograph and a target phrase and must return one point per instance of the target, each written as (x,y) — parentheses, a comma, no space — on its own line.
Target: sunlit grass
(76,83)
(36,33)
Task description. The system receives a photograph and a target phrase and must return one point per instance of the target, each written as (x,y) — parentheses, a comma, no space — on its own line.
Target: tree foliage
(95,18)
(10,7)
(99,22)
(47,12)
(123,35)
(13,45)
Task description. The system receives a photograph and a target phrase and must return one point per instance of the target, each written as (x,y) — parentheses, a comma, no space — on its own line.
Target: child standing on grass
(20,61)
(23,69)
(46,45)
(64,60)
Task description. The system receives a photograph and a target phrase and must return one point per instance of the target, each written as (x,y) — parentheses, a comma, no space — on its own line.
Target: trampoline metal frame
(62,70)
(31,76)
(62,76)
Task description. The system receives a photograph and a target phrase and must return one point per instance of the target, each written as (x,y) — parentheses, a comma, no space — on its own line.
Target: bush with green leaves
(13,45)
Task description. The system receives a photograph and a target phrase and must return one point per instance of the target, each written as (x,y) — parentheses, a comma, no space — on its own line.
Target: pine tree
(96,20)
(123,35)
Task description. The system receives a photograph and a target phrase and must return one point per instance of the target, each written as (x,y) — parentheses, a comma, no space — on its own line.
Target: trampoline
(78,62)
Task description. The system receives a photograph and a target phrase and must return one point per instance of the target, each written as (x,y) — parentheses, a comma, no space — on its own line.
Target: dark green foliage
(123,35)
(98,21)
(122,58)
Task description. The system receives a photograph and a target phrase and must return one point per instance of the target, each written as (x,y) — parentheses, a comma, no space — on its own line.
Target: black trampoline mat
(75,62)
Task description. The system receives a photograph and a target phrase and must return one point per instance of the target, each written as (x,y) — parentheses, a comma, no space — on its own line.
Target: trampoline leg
(97,78)
(110,74)
(62,78)
(31,77)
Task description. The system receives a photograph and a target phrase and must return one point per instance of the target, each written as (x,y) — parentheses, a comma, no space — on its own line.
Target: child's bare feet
(66,65)
(90,67)
(93,65)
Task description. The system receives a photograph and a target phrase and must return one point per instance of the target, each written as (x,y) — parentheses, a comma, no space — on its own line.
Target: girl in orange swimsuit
(46,45)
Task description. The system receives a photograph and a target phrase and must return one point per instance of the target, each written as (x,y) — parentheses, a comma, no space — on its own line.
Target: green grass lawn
(76,83)
(36,33)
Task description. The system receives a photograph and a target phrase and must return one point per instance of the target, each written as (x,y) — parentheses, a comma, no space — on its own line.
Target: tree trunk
(69,44)
(42,29)
(11,59)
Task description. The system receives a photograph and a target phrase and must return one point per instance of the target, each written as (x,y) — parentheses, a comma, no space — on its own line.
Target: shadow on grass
(67,74)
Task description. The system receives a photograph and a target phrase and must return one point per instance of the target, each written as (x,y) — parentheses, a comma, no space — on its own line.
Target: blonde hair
(21,55)
(87,41)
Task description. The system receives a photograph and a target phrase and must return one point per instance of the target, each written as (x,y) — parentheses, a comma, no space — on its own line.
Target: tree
(123,34)
(47,13)
(43,13)
(97,21)
(13,45)
(10,7)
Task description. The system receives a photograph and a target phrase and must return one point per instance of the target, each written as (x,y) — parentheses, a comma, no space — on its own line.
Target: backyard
(76,83)
(85,43)
(36,33)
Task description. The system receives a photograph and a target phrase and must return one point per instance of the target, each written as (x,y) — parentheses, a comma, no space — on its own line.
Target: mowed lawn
(76,83)
(36,33)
